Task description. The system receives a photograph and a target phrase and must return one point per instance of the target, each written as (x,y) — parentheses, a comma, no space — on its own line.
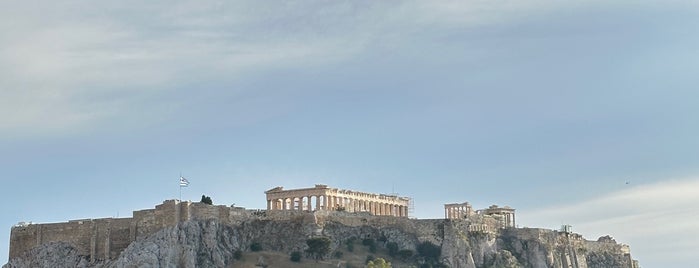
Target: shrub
(338,254)
(368,241)
(372,248)
(206,200)
(369,258)
(405,254)
(429,251)
(295,256)
(238,254)
(318,247)
(392,248)
(350,244)
(378,263)
(255,246)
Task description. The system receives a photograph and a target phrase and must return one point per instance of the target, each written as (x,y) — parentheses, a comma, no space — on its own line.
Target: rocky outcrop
(54,254)
(191,244)
(212,243)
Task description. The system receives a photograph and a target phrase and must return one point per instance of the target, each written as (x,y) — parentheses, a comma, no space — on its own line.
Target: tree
(295,256)
(206,200)
(255,246)
(350,244)
(371,243)
(392,248)
(378,263)
(405,254)
(318,247)
(430,253)
(238,254)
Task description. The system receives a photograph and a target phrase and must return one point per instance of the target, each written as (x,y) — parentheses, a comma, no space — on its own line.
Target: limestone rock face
(211,243)
(190,244)
(57,254)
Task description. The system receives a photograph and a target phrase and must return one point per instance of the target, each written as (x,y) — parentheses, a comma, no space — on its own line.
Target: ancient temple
(322,197)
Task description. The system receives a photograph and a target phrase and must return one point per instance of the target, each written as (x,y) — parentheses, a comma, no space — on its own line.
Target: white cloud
(63,63)
(78,64)
(658,220)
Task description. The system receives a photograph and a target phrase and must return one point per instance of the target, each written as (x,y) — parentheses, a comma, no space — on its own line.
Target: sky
(572,112)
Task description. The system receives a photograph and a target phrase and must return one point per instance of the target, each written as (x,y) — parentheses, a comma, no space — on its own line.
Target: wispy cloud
(67,65)
(659,218)
(75,64)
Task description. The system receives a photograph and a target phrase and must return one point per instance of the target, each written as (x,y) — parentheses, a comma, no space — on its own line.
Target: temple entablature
(322,197)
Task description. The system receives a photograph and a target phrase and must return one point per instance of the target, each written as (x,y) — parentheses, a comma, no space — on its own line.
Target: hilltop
(184,234)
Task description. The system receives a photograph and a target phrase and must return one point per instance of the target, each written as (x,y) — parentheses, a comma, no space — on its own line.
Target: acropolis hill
(191,234)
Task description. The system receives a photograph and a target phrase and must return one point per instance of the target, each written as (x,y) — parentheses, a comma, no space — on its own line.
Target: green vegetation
(371,253)
(378,263)
(350,244)
(255,246)
(369,258)
(392,248)
(371,243)
(315,257)
(206,200)
(295,256)
(318,247)
(238,254)
(429,254)
(405,254)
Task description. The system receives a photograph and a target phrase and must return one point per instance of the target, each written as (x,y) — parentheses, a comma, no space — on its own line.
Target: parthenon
(326,198)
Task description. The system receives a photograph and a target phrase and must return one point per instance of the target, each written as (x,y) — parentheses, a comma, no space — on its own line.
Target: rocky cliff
(211,243)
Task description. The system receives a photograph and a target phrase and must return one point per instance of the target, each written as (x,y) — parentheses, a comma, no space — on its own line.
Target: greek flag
(183,182)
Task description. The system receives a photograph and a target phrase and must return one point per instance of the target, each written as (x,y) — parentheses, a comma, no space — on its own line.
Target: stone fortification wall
(106,238)
(97,238)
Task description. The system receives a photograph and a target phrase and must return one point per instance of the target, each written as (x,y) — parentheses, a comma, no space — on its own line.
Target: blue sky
(546,106)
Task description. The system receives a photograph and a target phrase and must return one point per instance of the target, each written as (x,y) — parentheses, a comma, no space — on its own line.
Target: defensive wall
(106,238)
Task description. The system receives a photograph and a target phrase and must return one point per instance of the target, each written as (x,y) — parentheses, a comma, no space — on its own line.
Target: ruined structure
(326,198)
(483,220)
(457,210)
